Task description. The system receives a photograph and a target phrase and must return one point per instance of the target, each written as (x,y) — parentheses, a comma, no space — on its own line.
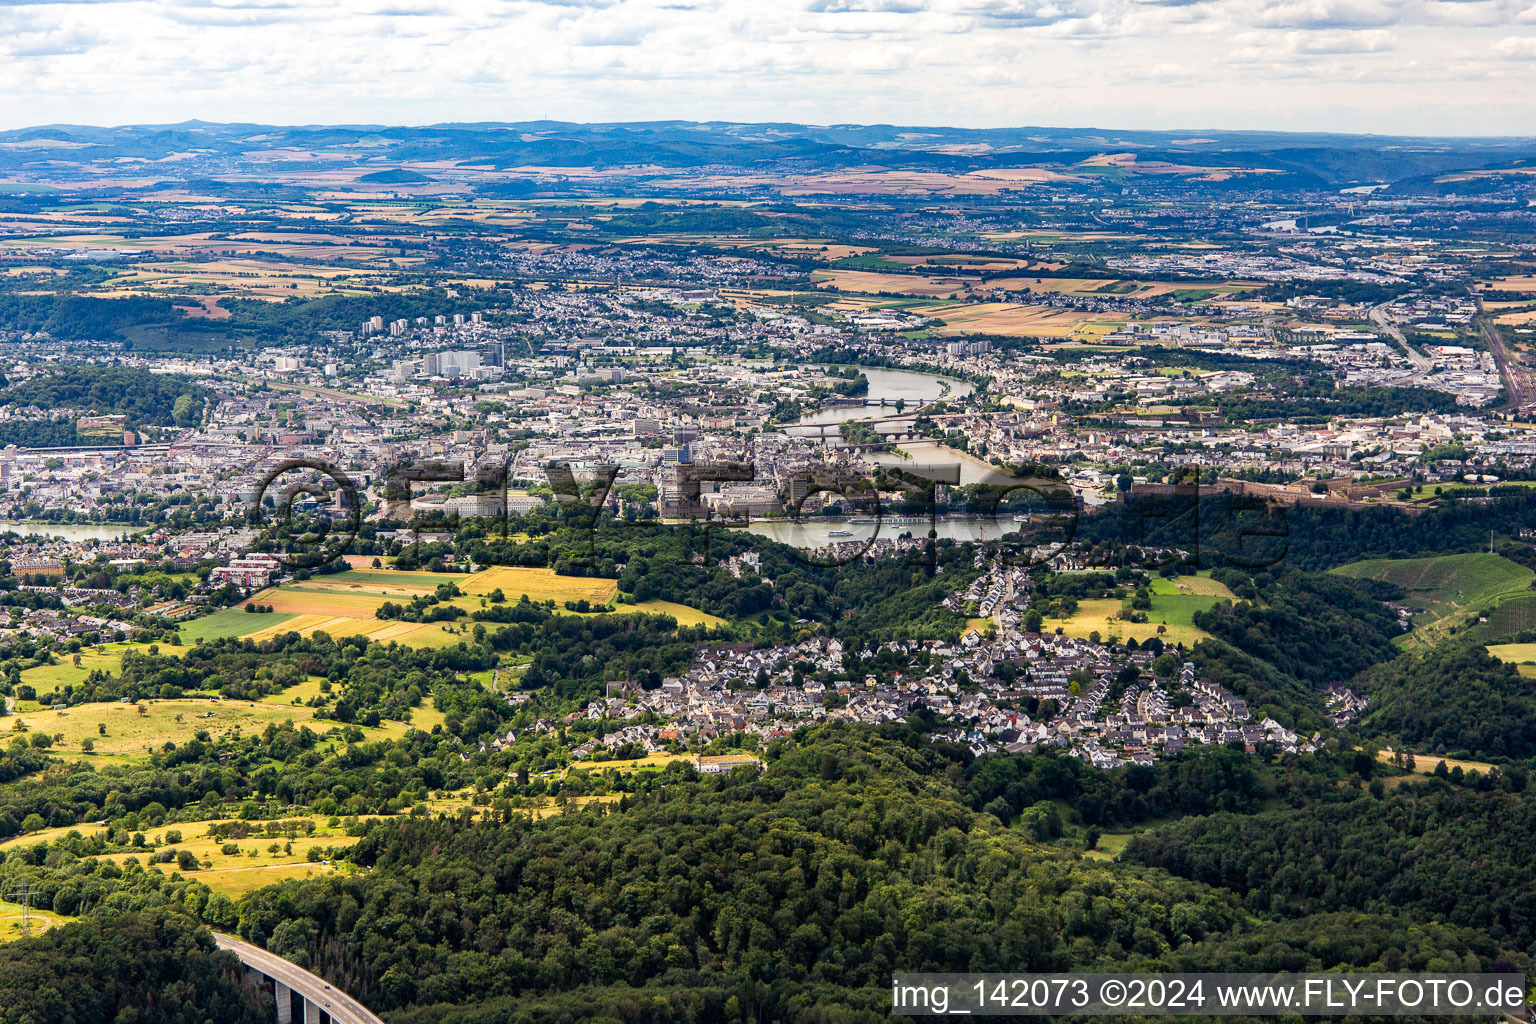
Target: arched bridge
(302,998)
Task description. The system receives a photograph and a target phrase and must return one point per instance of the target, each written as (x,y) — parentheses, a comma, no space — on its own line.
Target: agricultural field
(873,282)
(1424,764)
(1522,655)
(1013,319)
(660,760)
(684,615)
(227,623)
(1445,589)
(539,585)
(343,604)
(1514,616)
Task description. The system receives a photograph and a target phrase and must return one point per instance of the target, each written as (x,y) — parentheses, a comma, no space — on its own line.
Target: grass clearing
(1173,609)
(660,760)
(427,581)
(11,915)
(132,734)
(107,658)
(1199,585)
(1515,654)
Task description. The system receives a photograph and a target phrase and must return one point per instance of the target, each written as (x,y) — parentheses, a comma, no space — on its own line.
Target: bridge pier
(284,1002)
(301,997)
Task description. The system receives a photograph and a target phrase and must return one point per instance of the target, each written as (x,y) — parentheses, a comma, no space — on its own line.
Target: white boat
(839,533)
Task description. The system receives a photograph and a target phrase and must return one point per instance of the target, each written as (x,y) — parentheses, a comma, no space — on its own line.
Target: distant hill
(1235,159)
(395,177)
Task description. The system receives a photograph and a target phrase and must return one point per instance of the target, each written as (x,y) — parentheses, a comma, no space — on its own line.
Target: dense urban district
(664,572)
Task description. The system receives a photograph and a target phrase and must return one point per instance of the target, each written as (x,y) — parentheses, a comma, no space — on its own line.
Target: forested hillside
(142,397)
(790,896)
(1426,852)
(150,968)
(1453,698)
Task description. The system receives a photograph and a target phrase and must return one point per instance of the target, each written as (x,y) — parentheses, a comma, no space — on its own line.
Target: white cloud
(1516,48)
(1133,63)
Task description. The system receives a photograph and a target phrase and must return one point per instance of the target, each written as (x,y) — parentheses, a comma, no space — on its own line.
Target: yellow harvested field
(1513,653)
(290,598)
(344,605)
(970,261)
(1424,764)
(895,284)
(129,733)
(237,882)
(661,760)
(539,585)
(414,634)
(1009,318)
(1101,615)
(684,615)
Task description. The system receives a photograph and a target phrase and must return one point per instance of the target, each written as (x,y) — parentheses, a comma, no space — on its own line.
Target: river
(916,389)
(814,534)
(892,385)
(72,531)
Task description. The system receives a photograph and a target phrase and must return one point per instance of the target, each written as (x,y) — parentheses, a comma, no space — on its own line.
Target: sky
(1423,67)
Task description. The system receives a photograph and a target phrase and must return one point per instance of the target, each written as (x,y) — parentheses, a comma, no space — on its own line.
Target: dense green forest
(1311,626)
(133,968)
(70,317)
(1426,852)
(133,319)
(787,896)
(1453,698)
(143,397)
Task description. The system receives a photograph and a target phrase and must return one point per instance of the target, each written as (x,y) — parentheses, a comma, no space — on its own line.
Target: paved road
(1419,360)
(342,1007)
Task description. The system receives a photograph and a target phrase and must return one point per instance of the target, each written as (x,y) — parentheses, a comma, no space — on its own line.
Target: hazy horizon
(639,122)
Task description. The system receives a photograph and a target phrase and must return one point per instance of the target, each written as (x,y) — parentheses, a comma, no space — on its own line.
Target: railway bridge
(302,997)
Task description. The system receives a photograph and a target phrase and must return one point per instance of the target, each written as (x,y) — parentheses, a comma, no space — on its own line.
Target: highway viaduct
(302,998)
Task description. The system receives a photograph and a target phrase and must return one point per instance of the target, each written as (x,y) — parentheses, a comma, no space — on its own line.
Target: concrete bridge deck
(302,997)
